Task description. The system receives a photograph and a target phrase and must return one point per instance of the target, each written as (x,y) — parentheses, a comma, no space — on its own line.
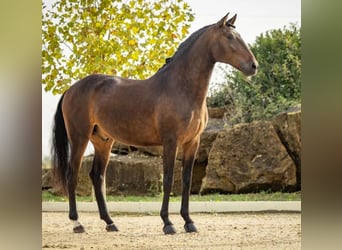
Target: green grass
(262,196)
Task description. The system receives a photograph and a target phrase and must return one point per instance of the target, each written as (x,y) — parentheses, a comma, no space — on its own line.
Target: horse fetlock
(186,217)
(107,219)
(73,216)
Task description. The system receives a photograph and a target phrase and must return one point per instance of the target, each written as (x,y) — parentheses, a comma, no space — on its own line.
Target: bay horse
(167,109)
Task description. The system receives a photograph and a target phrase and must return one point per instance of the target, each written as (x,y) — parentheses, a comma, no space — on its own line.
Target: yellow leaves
(185,30)
(131,42)
(134,30)
(157,6)
(135,55)
(152,41)
(128,38)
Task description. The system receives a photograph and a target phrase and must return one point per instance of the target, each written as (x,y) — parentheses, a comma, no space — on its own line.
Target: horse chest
(194,127)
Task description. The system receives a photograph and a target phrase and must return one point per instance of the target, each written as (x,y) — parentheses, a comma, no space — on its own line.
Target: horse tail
(60,150)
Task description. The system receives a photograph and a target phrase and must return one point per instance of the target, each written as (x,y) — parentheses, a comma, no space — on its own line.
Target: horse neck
(193,71)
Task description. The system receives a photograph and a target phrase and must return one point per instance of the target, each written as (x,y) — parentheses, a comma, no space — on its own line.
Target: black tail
(60,150)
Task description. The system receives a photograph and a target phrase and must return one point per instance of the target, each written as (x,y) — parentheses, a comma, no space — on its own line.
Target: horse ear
(232,20)
(222,22)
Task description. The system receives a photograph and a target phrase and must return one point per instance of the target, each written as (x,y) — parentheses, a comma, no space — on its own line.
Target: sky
(253,18)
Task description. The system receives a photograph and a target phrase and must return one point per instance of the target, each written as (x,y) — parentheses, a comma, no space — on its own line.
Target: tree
(130,38)
(276,86)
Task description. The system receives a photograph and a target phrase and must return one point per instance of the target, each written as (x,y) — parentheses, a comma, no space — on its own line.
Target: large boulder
(207,138)
(249,158)
(84,186)
(244,158)
(132,174)
(288,128)
(135,174)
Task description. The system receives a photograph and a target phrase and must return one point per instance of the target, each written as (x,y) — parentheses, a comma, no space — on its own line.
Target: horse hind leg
(189,153)
(97,174)
(78,147)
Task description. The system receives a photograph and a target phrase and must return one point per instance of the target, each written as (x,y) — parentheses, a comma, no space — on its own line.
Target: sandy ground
(216,231)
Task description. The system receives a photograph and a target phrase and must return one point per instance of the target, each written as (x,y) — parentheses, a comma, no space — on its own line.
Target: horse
(167,109)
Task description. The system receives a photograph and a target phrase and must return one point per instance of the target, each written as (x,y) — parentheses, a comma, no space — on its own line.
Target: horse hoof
(169,229)
(190,228)
(112,228)
(79,229)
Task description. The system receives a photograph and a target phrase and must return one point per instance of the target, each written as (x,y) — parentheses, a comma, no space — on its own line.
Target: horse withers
(167,109)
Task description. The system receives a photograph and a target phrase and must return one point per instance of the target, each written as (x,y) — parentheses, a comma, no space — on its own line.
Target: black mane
(186,45)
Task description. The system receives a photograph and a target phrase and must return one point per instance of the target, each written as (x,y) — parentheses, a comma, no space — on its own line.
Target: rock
(139,174)
(153,151)
(288,128)
(84,185)
(201,161)
(197,176)
(244,158)
(248,158)
(133,174)
(207,139)
(122,149)
(217,112)
(177,178)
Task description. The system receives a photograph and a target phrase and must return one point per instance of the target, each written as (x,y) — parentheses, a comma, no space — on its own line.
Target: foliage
(130,38)
(276,86)
(219,95)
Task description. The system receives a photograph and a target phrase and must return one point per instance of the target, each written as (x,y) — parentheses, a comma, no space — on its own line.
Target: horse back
(123,109)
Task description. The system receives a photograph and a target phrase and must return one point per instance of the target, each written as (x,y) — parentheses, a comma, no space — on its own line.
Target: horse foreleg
(169,157)
(97,175)
(189,153)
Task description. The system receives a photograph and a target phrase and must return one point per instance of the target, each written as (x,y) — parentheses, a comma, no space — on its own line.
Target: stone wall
(262,155)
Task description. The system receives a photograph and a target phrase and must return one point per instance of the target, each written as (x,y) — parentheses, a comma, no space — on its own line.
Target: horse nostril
(254,66)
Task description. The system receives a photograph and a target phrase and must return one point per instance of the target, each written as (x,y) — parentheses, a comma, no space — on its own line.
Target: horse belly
(134,133)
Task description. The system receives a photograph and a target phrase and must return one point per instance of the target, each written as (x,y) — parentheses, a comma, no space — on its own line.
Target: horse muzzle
(250,68)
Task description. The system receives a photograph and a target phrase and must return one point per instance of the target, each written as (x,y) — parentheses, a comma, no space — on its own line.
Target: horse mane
(186,45)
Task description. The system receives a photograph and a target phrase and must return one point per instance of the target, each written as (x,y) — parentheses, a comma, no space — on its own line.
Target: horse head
(228,47)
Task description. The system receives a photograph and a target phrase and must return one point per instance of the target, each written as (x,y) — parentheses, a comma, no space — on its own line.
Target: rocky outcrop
(132,174)
(288,128)
(151,153)
(248,158)
(244,158)
(84,187)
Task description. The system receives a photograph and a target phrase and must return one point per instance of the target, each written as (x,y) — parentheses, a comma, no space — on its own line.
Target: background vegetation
(127,38)
(275,88)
